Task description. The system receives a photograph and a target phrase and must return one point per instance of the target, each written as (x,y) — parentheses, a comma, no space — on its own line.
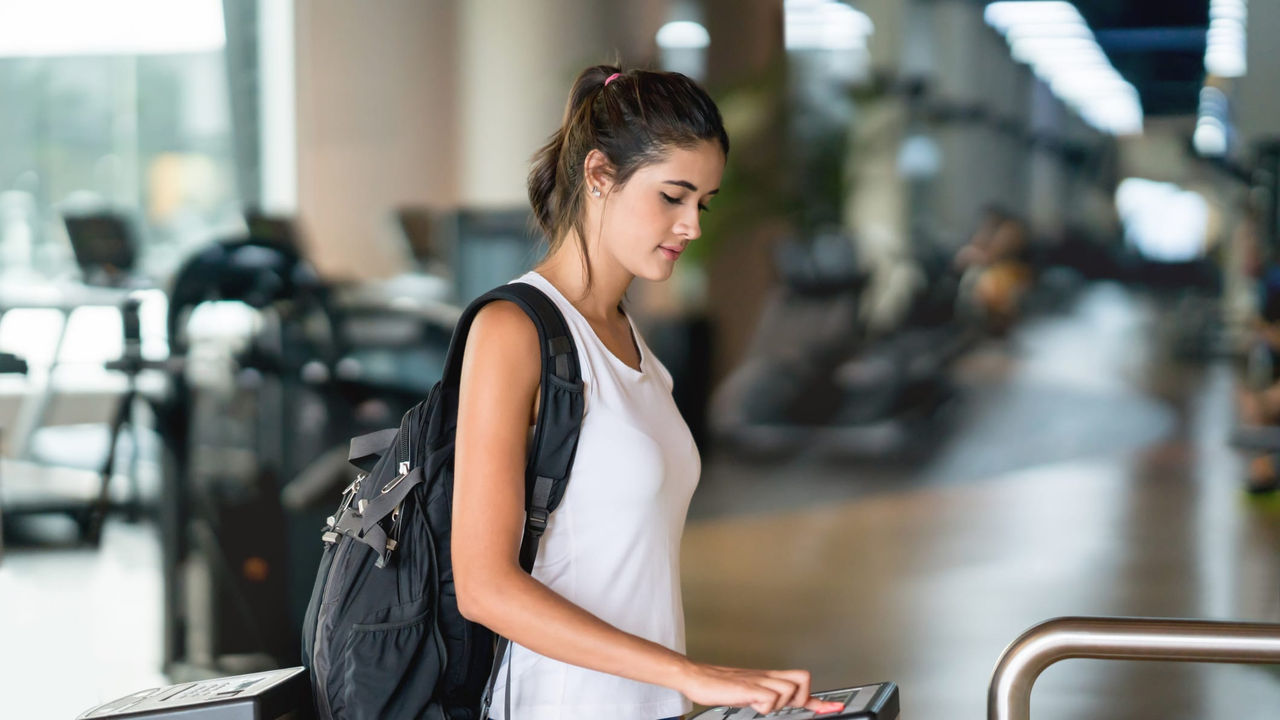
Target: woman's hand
(765,691)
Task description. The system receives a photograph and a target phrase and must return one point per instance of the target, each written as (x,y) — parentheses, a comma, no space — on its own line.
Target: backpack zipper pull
(349,494)
(393,537)
(331,523)
(404,473)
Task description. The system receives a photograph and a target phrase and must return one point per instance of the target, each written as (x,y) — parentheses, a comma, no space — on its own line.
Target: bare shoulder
(503,346)
(503,325)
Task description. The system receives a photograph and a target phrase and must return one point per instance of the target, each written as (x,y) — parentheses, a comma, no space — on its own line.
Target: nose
(689,226)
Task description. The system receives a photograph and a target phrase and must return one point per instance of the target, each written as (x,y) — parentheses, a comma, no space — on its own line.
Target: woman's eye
(679,201)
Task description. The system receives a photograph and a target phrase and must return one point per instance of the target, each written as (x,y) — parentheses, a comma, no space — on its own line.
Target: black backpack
(383,637)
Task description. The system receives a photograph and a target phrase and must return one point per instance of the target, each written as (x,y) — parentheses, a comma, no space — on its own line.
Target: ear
(597,172)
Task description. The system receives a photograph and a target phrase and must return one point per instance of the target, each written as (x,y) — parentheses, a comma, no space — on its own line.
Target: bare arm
(500,373)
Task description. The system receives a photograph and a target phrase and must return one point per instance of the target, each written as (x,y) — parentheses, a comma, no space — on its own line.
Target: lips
(670,253)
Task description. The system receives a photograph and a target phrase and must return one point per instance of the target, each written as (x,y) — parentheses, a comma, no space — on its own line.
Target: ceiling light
(1210,139)
(1056,42)
(825,25)
(1004,15)
(1225,41)
(683,34)
(1047,30)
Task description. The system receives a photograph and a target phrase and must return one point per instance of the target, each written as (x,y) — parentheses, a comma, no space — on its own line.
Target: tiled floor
(1083,473)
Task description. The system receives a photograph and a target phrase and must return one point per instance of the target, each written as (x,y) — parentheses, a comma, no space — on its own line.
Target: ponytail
(542,182)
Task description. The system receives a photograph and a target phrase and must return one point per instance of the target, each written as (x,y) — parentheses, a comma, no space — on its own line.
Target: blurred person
(1259,399)
(597,630)
(997,274)
(977,251)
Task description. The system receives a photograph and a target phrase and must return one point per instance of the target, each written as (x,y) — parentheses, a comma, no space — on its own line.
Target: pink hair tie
(610,79)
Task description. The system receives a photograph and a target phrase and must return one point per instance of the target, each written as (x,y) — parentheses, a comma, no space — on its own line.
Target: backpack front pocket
(389,670)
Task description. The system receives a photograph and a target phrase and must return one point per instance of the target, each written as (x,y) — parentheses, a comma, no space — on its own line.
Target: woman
(598,629)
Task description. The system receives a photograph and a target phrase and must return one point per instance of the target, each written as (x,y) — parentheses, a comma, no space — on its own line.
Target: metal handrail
(1110,638)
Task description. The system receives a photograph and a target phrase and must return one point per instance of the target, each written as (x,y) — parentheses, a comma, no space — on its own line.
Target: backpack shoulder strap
(553,333)
(561,408)
(555,437)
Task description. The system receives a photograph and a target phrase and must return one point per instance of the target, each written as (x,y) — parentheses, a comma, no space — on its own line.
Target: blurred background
(982,328)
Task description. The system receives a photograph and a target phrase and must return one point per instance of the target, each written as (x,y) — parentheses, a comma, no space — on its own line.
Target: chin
(658,273)
(655,270)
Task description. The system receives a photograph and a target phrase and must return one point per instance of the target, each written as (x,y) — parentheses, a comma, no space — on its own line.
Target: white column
(956,26)
(877,210)
(1047,184)
(277,103)
(1257,102)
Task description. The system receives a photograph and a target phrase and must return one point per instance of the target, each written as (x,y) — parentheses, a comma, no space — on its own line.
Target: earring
(595,191)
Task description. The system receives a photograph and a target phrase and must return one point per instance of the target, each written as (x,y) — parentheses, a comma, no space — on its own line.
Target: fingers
(800,679)
(759,698)
(765,691)
(766,694)
(791,688)
(766,704)
(783,691)
(822,707)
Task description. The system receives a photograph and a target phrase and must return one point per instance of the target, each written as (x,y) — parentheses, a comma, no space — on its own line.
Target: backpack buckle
(538,512)
(538,521)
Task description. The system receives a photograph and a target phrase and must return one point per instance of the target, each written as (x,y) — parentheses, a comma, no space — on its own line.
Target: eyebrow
(688,185)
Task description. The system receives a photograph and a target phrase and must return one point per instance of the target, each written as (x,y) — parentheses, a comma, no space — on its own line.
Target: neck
(567,271)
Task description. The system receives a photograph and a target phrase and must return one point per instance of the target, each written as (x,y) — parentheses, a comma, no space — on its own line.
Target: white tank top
(612,547)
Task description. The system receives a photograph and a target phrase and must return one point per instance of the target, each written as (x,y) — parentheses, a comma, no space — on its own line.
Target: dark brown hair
(636,120)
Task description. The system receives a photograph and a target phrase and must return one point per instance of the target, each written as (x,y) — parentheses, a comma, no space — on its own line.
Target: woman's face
(651,220)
